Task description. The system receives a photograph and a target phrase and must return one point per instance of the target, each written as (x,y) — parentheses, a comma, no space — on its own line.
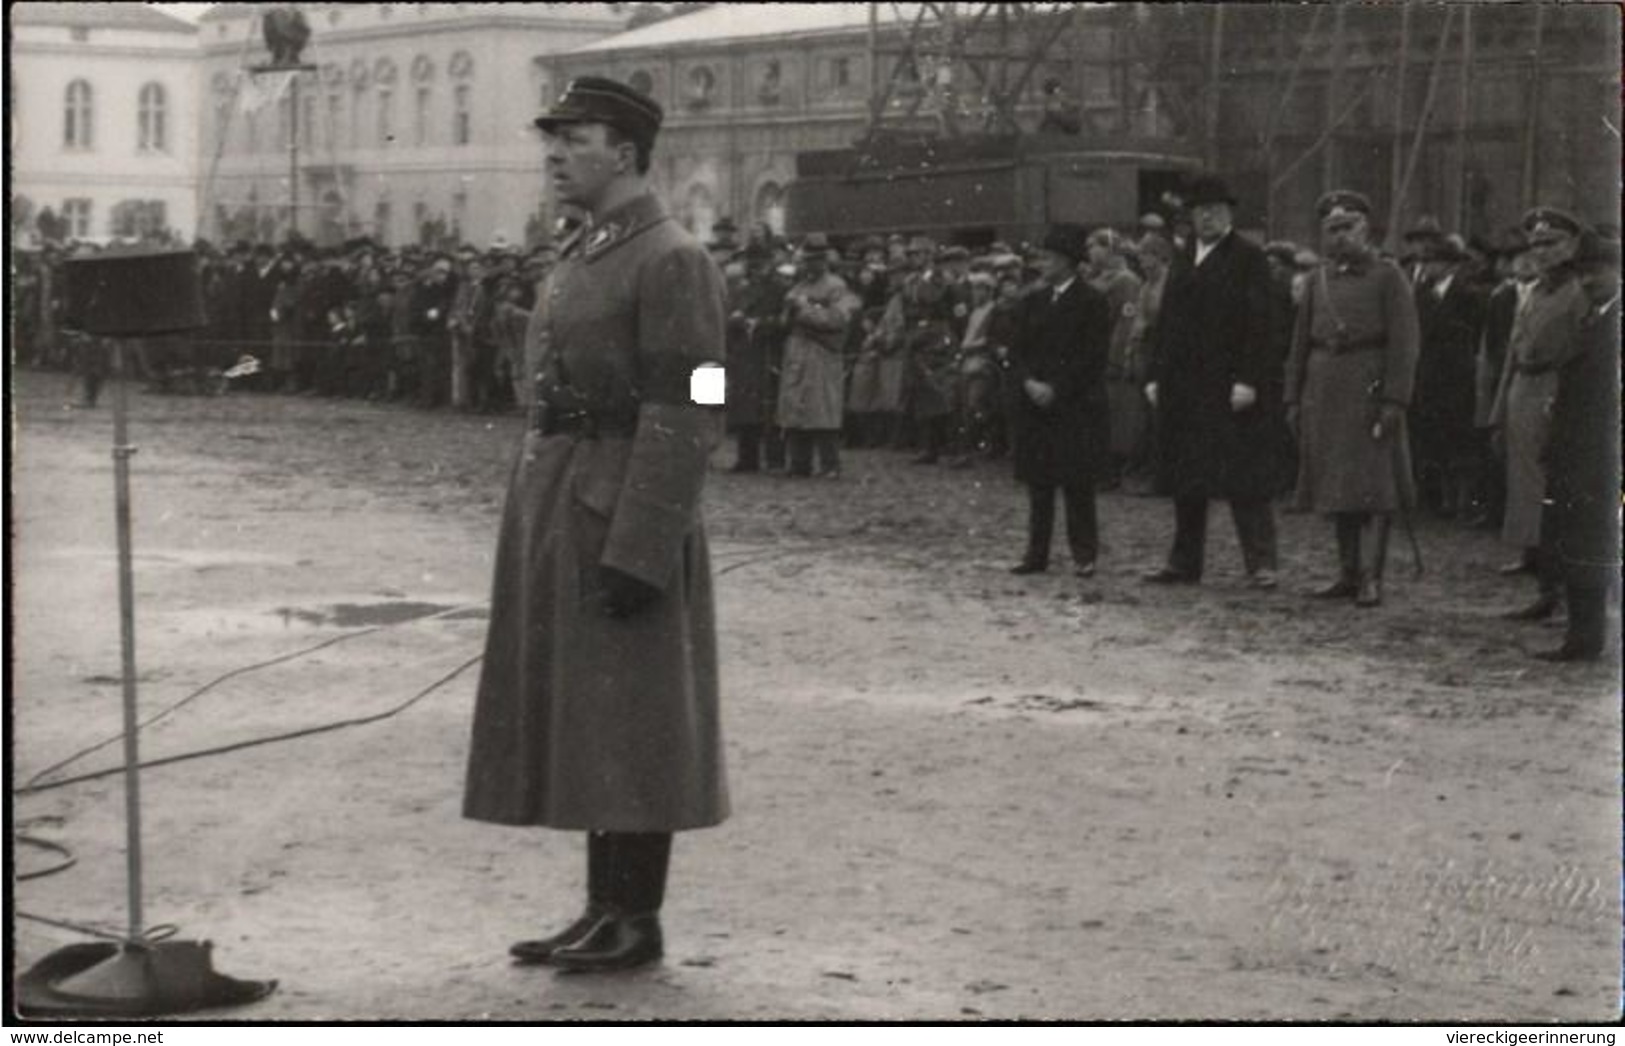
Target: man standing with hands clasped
(597,706)
(1215,386)
(1059,424)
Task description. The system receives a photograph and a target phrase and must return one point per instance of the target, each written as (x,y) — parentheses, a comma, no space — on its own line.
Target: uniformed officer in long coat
(1582,459)
(1349,380)
(597,707)
(1543,333)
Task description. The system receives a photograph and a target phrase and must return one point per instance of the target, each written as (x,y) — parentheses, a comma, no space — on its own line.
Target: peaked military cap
(955,253)
(1541,222)
(598,99)
(1340,203)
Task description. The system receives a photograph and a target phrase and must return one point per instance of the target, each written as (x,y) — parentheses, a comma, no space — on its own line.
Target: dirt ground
(959,795)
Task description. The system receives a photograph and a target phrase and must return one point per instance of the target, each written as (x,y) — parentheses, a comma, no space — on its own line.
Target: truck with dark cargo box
(973,190)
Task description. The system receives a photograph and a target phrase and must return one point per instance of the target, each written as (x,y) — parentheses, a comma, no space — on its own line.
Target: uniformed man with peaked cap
(1349,380)
(597,706)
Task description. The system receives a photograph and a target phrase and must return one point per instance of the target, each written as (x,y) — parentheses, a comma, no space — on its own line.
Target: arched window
(77,128)
(152,110)
(462,117)
(642,82)
(420,117)
(386,117)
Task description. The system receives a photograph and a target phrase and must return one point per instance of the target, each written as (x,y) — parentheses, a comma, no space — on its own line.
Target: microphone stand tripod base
(131,979)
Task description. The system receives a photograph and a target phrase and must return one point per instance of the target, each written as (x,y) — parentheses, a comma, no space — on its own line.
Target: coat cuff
(646,538)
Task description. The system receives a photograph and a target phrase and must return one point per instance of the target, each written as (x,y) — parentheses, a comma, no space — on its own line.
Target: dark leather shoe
(1539,610)
(1522,566)
(1342,588)
(615,942)
(1169,576)
(1027,566)
(1084,570)
(1570,652)
(1369,593)
(531,953)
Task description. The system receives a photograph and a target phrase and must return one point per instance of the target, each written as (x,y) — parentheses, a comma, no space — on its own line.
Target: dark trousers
(1082,524)
(433,370)
(803,442)
(1255,531)
(751,440)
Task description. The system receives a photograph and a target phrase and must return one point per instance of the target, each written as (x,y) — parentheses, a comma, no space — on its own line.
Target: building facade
(415,121)
(1469,112)
(104,125)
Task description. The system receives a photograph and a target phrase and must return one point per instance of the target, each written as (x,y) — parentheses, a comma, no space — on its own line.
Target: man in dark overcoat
(1215,381)
(432,302)
(1059,424)
(1450,312)
(1582,460)
(597,707)
(1349,381)
(755,354)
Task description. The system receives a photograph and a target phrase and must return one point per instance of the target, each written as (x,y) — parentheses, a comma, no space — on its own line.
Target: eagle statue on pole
(286,33)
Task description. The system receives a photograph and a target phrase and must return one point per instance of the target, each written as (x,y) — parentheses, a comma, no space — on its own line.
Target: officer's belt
(1369,343)
(556,421)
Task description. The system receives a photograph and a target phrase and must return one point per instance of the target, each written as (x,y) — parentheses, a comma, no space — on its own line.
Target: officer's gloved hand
(624,595)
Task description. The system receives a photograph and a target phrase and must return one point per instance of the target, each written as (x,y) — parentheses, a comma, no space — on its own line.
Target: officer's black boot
(1373,557)
(1348,559)
(600,862)
(628,935)
(1587,634)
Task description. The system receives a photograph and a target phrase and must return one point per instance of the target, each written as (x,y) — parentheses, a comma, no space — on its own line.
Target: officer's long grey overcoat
(1354,346)
(583,721)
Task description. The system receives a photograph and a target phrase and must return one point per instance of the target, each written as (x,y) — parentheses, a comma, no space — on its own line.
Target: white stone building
(416,113)
(104,125)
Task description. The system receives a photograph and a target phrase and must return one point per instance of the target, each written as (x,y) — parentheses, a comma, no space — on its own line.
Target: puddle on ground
(360,615)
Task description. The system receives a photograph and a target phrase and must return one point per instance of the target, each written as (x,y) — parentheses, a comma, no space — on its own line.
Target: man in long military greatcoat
(597,707)
(1349,380)
(1543,333)
(1582,459)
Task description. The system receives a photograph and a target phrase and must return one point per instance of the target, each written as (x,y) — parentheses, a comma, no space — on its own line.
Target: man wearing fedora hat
(1058,422)
(597,706)
(1450,312)
(1215,386)
(818,312)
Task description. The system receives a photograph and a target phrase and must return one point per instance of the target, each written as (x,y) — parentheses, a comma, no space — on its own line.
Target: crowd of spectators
(900,342)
